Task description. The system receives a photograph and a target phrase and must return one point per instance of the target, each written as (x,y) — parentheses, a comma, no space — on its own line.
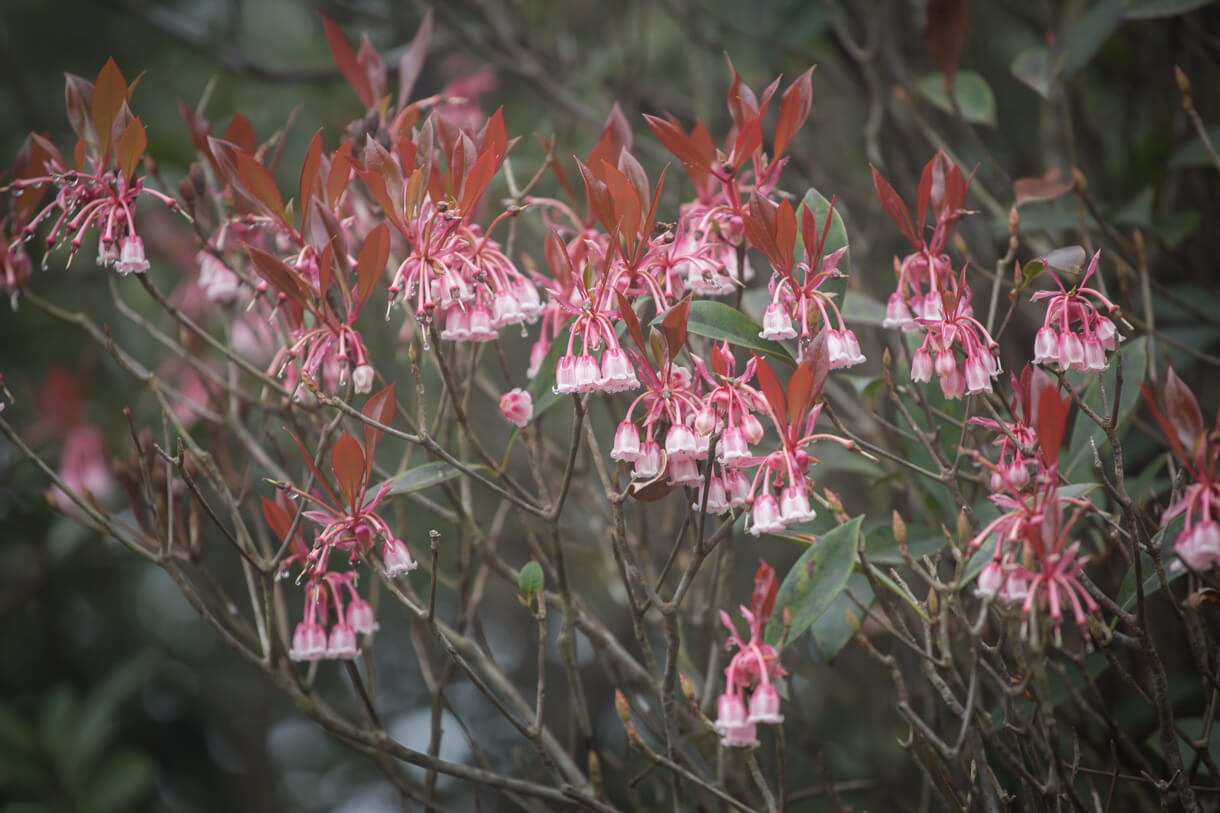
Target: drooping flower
(754,668)
(1078,329)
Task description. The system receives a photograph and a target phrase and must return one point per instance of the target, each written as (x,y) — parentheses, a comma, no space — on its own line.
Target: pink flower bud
(705,421)
(517,406)
(764,705)
(626,442)
(362,379)
(752,428)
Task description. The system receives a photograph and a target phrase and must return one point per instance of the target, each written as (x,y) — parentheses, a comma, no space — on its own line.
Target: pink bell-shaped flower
(308,642)
(766,516)
(626,442)
(360,616)
(342,642)
(397,558)
(764,705)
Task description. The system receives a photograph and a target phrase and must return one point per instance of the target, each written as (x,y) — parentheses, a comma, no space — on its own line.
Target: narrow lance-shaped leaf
(765,587)
(412,60)
(309,171)
(893,206)
(380,408)
(675,325)
(944,34)
(1182,410)
(109,93)
(321,481)
(345,58)
(794,108)
(633,323)
(772,391)
(131,148)
(261,185)
(277,520)
(1052,423)
(370,265)
(347,461)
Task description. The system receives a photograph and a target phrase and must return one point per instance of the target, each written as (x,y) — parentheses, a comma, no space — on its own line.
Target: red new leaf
(309,171)
(380,408)
(794,108)
(370,265)
(278,521)
(893,206)
(944,33)
(766,586)
(348,463)
(674,324)
(633,323)
(412,60)
(109,94)
(1052,423)
(772,391)
(1183,412)
(258,182)
(278,275)
(132,144)
(348,65)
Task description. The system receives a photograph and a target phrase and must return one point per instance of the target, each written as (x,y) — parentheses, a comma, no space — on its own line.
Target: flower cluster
(754,669)
(98,191)
(929,296)
(1198,450)
(350,523)
(1077,331)
(1037,563)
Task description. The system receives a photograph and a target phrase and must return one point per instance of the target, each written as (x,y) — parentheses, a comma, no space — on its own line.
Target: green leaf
(100,710)
(835,240)
(1174,569)
(1194,153)
(1086,36)
(720,322)
(815,581)
(1036,69)
(530,581)
(58,717)
(426,476)
(120,782)
(831,632)
(973,94)
(1148,9)
(862,309)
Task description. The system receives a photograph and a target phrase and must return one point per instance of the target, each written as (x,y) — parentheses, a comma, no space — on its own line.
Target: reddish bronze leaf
(370,265)
(944,33)
(347,461)
(794,108)
(132,144)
